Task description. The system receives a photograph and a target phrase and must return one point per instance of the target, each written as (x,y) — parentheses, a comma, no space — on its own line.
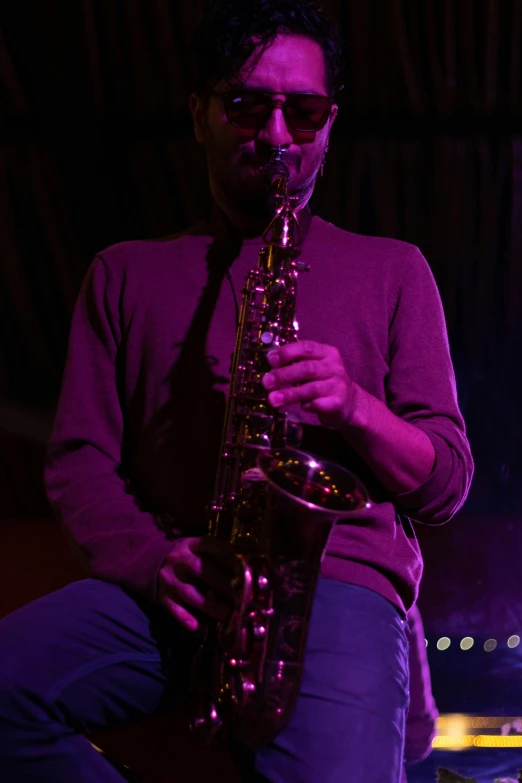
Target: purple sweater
(132,457)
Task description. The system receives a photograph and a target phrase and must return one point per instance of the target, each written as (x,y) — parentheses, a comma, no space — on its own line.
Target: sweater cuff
(143,571)
(435,485)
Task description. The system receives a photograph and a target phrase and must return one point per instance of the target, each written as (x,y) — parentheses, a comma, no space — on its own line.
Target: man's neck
(248,226)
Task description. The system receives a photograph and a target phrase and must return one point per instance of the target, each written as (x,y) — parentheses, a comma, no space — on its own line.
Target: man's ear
(198,110)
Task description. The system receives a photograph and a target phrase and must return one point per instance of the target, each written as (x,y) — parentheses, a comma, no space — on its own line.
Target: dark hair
(228,33)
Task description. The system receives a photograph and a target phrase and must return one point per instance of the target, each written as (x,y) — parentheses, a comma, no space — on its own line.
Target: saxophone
(275,504)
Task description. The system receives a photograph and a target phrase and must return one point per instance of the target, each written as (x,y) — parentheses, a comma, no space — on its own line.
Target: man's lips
(257,162)
(259,168)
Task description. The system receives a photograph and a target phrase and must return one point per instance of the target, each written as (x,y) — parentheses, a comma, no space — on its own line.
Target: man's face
(291,64)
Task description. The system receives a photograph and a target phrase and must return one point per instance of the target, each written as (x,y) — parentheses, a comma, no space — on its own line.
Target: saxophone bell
(314,484)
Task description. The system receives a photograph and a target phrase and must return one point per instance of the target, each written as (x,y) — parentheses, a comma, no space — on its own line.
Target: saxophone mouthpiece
(276,167)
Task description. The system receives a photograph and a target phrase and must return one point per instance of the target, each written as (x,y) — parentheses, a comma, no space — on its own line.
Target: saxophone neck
(283,230)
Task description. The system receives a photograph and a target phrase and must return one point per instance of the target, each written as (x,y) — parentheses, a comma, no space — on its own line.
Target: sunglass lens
(247,110)
(307,112)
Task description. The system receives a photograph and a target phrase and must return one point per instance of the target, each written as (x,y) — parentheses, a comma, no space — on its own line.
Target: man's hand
(197,573)
(312,375)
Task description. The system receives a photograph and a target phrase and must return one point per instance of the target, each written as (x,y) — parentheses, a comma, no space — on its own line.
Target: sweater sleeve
(421,389)
(85,481)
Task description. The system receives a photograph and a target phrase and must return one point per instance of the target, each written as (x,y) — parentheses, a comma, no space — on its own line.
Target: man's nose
(275,132)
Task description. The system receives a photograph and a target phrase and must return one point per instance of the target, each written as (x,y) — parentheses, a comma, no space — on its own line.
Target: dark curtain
(97,147)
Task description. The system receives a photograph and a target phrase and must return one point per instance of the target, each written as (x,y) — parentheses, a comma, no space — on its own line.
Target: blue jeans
(91,655)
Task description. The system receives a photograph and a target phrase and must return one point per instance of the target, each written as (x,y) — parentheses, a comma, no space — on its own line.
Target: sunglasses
(251,110)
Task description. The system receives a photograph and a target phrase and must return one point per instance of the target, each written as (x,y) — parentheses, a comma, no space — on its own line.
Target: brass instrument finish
(275,504)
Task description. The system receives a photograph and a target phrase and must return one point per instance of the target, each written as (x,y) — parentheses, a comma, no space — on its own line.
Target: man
(133,454)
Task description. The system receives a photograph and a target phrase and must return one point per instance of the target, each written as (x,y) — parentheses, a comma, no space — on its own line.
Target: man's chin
(250,192)
(252,184)
(253,177)
(256,206)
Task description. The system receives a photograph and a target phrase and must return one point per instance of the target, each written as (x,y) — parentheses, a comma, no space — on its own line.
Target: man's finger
(198,597)
(299,394)
(206,575)
(292,352)
(220,550)
(180,614)
(298,372)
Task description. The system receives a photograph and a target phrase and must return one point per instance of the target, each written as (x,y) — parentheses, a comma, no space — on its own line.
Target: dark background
(96,146)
